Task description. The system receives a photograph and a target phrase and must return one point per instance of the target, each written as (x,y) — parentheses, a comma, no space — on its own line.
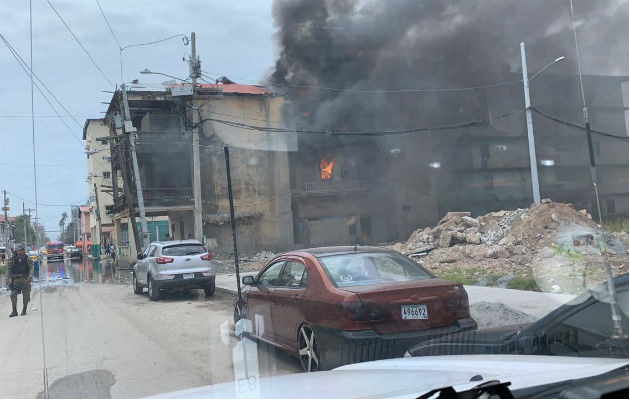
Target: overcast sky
(233,39)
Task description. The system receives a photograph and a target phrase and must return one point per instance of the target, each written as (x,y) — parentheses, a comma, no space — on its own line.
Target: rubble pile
(543,242)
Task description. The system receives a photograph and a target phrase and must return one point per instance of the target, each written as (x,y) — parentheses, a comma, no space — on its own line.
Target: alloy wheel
(309,352)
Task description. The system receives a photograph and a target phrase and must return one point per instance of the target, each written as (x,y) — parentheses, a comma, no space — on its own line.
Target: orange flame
(326,166)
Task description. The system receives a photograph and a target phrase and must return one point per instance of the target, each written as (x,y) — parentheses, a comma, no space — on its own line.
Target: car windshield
(183,250)
(358,269)
(255,195)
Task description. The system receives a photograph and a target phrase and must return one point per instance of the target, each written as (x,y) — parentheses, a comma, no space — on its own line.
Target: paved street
(104,341)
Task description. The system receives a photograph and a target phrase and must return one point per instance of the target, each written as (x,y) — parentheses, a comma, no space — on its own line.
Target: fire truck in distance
(54,250)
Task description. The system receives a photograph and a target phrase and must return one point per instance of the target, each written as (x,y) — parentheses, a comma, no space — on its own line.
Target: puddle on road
(71,272)
(82,271)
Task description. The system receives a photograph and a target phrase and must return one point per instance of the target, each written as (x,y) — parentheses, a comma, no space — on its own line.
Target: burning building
(423,109)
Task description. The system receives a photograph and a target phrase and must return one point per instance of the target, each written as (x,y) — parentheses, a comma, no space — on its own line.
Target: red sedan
(333,306)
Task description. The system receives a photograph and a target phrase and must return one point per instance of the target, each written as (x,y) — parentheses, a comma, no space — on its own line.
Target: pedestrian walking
(19,278)
(108,250)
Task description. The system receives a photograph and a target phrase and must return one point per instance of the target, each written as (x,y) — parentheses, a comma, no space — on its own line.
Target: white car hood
(409,377)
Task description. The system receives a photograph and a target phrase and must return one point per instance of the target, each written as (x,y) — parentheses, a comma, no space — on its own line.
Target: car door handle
(296,298)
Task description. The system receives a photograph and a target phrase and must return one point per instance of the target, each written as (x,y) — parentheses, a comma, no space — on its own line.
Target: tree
(69,233)
(62,225)
(20,222)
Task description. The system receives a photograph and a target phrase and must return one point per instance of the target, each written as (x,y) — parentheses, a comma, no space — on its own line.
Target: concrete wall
(259,169)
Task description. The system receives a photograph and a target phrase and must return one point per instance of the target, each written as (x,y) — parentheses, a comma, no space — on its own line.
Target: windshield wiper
(612,384)
(487,390)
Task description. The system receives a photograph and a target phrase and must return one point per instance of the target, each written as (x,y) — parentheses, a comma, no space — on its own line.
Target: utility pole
(533,166)
(195,68)
(28,210)
(128,128)
(98,219)
(5,208)
(24,223)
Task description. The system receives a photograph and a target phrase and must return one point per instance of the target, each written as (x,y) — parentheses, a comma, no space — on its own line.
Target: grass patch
(465,277)
(523,283)
(616,224)
(569,252)
(492,278)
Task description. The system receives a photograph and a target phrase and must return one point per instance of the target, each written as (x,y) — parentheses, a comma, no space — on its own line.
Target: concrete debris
(515,243)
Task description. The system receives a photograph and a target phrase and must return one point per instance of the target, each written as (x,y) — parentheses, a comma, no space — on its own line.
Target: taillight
(206,257)
(164,260)
(459,304)
(360,311)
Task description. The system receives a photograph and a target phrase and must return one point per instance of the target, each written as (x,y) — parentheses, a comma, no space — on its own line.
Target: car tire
(137,288)
(154,290)
(308,350)
(209,289)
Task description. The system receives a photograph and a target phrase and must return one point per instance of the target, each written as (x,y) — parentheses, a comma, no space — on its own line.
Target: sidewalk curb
(225,290)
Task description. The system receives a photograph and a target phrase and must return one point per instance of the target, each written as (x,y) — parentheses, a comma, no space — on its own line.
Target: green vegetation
(569,252)
(473,275)
(459,276)
(616,224)
(523,283)
(469,276)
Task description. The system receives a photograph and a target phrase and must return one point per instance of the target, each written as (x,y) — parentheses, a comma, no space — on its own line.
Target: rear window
(358,269)
(184,250)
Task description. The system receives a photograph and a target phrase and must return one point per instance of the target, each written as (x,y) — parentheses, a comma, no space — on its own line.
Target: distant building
(86,236)
(99,179)
(6,234)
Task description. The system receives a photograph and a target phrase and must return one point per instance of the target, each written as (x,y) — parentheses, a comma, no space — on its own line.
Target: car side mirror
(248,280)
(140,256)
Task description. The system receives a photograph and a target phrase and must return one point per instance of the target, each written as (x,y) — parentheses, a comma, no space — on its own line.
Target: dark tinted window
(184,250)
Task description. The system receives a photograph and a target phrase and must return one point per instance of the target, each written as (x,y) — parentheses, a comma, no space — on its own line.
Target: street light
(530,124)
(146,71)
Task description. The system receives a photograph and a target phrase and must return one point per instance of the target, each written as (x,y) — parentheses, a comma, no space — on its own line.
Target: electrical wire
(380,90)
(365,133)
(80,44)
(108,25)
(578,127)
(154,42)
(28,72)
(16,53)
(16,56)
(41,301)
(41,204)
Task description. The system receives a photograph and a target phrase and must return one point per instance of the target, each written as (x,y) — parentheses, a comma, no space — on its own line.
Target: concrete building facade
(259,167)
(99,178)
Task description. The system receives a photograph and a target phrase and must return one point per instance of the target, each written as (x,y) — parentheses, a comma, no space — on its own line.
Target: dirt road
(103,341)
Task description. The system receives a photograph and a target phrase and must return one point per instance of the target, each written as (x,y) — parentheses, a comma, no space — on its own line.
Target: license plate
(414,311)
(189,276)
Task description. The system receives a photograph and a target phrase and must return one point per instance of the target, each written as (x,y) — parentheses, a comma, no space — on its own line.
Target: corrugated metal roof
(235,88)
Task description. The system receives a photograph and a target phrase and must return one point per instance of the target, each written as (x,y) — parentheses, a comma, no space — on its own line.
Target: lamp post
(530,124)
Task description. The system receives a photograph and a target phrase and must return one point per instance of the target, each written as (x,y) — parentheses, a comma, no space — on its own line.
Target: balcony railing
(331,186)
(158,197)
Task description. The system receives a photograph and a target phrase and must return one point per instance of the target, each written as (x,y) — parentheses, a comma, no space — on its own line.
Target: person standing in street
(19,278)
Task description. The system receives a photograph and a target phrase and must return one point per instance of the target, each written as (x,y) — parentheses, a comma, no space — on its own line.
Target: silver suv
(174,264)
